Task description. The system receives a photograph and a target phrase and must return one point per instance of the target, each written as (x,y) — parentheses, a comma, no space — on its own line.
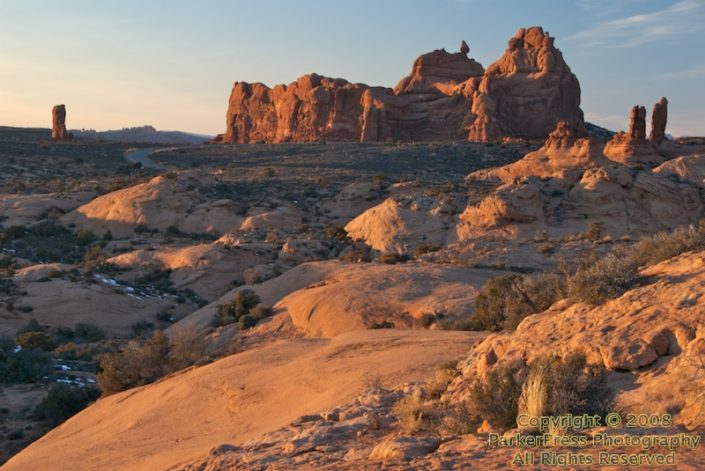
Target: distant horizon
(171,64)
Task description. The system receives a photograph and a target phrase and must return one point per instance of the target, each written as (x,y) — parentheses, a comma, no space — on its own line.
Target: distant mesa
(58,124)
(447,96)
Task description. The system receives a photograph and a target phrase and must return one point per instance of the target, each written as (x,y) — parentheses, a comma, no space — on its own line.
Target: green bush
(35,341)
(62,402)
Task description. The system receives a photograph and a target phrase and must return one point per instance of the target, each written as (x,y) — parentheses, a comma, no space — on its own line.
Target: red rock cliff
(447,96)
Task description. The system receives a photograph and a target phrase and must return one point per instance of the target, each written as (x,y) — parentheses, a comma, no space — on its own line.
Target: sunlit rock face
(447,96)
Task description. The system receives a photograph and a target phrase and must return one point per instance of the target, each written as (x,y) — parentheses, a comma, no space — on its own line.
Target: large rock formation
(447,96)
(58,123)
(526,91)
(658,122)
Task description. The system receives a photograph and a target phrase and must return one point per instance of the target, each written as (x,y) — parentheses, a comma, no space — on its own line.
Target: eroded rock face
(659,116)
(447,96)
(526,91)
(58,123)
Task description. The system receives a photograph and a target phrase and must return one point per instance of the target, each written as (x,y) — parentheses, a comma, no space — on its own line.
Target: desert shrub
(31,326)
(20,366)
(559,386)
(246,321)
(93,257)
(496,398)
(85,237)
(594,231)
(165,316)
(187,348)
(424,248)
(35,341)
(142,327)
(241,305)
(333,232)
(460,419)
(261,311)
(88,332)
(437,384)
(135,366)
(356,253)
(665,245)
(391,258)
(147,360)
(506,300)
(62,402)
(415,413)
(598,279)
(382,325)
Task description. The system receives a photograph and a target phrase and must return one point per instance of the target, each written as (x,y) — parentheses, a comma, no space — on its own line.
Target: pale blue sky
(171,63)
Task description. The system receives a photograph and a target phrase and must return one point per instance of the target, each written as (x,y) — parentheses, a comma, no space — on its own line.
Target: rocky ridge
(447,96)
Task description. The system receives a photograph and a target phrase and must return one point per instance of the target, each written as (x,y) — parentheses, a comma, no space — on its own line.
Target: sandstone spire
(637,124)
(58,123)
(658,122)
(464,48)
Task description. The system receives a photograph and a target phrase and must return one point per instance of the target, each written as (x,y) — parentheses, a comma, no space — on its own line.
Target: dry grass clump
(413,412)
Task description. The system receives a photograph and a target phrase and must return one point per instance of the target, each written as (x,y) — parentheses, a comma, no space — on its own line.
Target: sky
(171,63)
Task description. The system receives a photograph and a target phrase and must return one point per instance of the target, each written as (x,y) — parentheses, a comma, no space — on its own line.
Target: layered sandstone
(447,96)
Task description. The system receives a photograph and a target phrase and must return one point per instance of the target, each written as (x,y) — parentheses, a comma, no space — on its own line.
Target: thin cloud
(683,17)
(695,72)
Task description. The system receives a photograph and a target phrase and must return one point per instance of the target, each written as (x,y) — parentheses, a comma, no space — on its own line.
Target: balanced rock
(659,116)
(58,123)
(447,96)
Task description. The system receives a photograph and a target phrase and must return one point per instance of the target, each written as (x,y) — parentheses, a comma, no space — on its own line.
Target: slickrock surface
(176,421)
